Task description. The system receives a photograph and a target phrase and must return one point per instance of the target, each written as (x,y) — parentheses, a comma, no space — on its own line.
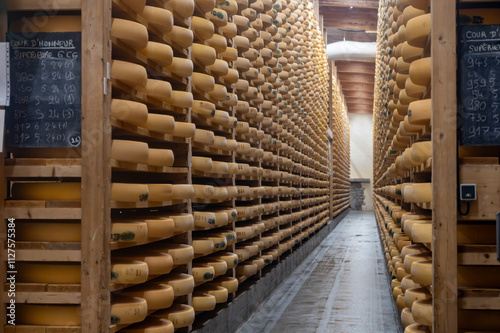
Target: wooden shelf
(477,255)
(127,166)
(145,204)
(478,299)
(125,129)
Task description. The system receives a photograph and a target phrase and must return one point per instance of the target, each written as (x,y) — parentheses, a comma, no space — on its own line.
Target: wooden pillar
(96,170)
(444,166)
(330,141)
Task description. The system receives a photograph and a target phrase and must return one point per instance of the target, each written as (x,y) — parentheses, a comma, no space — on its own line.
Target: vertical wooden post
(444,166)
(330,126)
(96,171)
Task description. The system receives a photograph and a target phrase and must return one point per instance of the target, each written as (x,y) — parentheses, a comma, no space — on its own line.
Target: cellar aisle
(341,287)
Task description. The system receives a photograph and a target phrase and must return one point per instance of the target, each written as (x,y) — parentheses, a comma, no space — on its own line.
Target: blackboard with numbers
(45,101)
(479,85)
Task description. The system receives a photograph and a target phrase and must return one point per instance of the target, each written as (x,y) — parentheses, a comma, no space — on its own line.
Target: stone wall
(358,193)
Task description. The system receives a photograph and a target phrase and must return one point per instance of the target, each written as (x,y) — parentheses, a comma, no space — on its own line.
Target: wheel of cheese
(246,269)
(418,192)
(411,53)
(220,293)
(231,259)
(184,130)
(220,142)
(421,151)
(131,33)
(202,163)
(184,8)
(220,67)
(160,227)
(418,30)
(229,30)
(243,254)
(181,254)
(180,66)
(129,151)
(132,75)
(414,90)
(130,112)
(203,246)
(422,311)
(400,302)
(206,109)
(421,272)
(51,232)
(417,328)
(408,225)
(232,192)
(182,284)
(229,283)
(243,147)
(422,232)
(120,232)
(160,192)
(407,283)
(203,29)
(136,6)
(48,315)
(202,82)
(180,315)
(151,325)
(182,222)
(204,137)
(158,262)
(253,249)
(46,272)
(407,317)
(232,145)
(203,302)
(219,266)
(202,273)
(160,157)
(159,89)
(219,93)
(204,219)
(204,192)
(218,17)
(203,54)
(413,249)
(420,71)
(46,191)
(128,272)
(160,123)
(157,296)
(180,99)
(415,294)
(129,192)
(232,76)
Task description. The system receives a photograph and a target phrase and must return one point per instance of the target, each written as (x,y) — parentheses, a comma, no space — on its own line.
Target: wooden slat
(356,77)
(96,172)
(364,19)
(44,6)
(347,66)
(444,166)
(373,4)
(358,94)
(350,86)
(479,299)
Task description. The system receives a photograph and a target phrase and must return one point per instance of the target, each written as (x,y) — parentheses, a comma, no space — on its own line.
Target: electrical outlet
(468,192)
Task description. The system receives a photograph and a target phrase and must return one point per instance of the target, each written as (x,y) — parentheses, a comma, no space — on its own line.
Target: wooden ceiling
(352,20)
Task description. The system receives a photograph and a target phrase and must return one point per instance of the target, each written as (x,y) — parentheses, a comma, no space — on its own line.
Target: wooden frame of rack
(95,170)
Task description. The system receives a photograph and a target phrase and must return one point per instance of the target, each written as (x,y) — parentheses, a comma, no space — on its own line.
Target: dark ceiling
(352,20)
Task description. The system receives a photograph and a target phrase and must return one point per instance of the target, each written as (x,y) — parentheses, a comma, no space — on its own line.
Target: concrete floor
(342,287)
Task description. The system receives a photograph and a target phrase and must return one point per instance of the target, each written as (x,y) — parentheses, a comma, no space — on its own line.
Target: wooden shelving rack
(308,170)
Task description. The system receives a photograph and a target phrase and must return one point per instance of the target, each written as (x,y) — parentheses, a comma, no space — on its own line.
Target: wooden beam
(358,101)
(363,67)
(96,170)
(353,86)
(356,77)
(360,19)
(358,94)
(373,4)
(444,166)
(338,35)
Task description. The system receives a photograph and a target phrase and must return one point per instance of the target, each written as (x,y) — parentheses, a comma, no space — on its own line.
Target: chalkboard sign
(45,101)
(479,85)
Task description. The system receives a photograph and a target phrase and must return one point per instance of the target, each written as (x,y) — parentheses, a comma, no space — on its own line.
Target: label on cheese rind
(129,272)
(128,310)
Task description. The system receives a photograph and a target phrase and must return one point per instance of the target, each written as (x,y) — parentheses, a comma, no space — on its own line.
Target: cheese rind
(128,310)
(180,315)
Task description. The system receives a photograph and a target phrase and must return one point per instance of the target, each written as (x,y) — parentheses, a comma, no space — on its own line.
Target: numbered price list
(479,88)
(45,101)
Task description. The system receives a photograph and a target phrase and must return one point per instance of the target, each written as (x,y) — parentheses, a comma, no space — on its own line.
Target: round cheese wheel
(421,151)
(220,142)
(204,137)
(183,222)
(407,317)
(220,293)
(232,213)
(131,33)
(246,269)
(204,219)
(204,108)
(180,315)
(410,53)
(151,325)
(202,82)
(129,192)
(218,17)
(418,30)
(184,8)
(229,283)
(400,302)
(160,227)
(203,54)
(129,151)
(160,123)
(46,272)
(132,75)
(50,232)
(158,262)
(229,30)
(120,232)
(219,92)
(420,71)
(414,90)
(136,5)
(184,130)
(231,259)
(160,192)
(182,284)
(157,296)
(421,272)
(160,18)
(422,311)
(46,191)
(417,328)
(232,76)
(128,272)
(202,163)
(422,232)
(219,43)
(418,193)
(220,193)
(202,273)
(130,112)
(180,99)
(203,29)
(411,249)
(204,192)
(203,246)
(48,315)
(159,89)
(219,266)
(415,294)
(407,283)
(203,302)
(180,66)
(232,145)
(160,157)
(182,254)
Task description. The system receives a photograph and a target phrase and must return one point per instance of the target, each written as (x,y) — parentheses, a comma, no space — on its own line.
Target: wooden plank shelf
(127,166)
(53,297)
(209,124)
(471,254)
(123,129)
(41,329)
(198,94)
(478,299)
(145,204)
(53,5)
(47,255)
(19,212)
(197,173)
(198,147)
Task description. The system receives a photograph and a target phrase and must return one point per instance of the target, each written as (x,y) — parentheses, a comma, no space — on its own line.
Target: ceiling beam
(357,19)
(363,67)
(358,94)
(355,77)
(374,4)
(349,86)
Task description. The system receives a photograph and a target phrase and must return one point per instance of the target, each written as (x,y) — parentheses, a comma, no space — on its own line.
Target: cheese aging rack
(204,162)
